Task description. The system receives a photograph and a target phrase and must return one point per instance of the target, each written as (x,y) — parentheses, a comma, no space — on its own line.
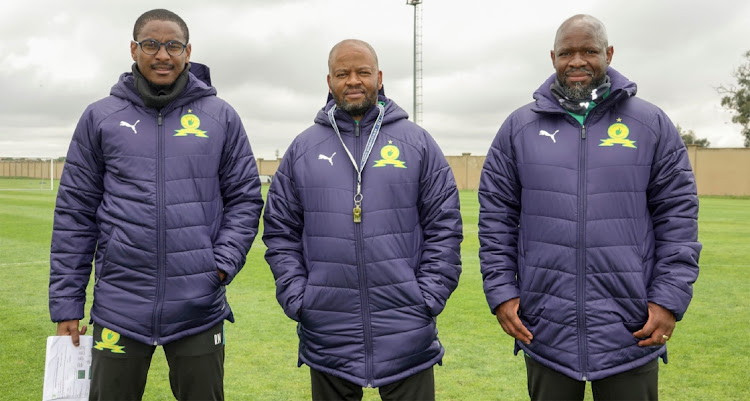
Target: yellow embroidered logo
(618,134)
(389,155)
(190,124)
(109,341)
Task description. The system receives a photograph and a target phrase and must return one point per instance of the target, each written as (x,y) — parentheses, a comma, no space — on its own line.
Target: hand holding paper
(67,368)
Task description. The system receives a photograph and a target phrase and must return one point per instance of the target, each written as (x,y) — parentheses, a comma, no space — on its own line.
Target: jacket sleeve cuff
(62,309)
(497,296)
(670,298)
(293,311)
(230,271)
(433,306)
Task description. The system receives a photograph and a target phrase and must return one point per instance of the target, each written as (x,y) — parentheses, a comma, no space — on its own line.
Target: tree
(690,138)
(737,98)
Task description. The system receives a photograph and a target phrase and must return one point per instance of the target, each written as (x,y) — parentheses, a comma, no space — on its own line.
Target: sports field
(709,355)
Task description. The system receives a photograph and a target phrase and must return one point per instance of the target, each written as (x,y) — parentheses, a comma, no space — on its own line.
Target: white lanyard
(368,148)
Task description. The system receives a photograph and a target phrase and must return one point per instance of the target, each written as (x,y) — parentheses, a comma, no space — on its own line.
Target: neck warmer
(159,96)
(579,106)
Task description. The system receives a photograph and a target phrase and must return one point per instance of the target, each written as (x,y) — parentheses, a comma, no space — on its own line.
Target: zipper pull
(159,119)
(583,132)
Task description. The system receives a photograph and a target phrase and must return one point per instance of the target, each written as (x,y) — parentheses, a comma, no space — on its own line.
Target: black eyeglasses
(151,47)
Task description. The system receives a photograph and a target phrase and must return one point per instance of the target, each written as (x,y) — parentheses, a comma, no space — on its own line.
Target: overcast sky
(482,60)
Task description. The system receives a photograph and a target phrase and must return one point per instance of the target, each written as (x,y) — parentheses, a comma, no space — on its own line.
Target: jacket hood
(197,86)
(202,72)
(621,86)
(393,113)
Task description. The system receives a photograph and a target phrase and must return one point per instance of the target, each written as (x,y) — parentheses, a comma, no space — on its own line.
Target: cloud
(481,61)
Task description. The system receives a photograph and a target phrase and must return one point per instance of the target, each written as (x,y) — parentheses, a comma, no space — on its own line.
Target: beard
(578,91)
(355,109)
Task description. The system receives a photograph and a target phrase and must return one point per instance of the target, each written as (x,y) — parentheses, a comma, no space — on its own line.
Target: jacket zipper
(581,256)
(581,273)
(160,229)
(363,278)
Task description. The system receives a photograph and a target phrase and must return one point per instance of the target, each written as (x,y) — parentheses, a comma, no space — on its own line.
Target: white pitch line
(24,263)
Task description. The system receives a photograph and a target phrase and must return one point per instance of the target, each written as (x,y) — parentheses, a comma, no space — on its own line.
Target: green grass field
(709,355)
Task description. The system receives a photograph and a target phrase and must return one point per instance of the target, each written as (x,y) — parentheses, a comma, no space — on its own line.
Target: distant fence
(721,171)
(267,167)
(31,168)
(718,171)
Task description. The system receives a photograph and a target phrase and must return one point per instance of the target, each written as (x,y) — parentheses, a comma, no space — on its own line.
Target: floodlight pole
(417,60)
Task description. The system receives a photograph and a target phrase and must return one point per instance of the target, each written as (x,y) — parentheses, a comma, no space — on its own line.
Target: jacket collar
(621,88)
(194,89)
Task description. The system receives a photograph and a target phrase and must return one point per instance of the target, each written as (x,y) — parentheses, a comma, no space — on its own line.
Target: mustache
(572,70)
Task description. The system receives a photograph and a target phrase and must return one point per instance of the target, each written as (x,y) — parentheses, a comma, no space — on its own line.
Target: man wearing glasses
(161,189)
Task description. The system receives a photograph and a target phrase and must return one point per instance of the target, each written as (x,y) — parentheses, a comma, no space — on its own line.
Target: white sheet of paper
(67,369)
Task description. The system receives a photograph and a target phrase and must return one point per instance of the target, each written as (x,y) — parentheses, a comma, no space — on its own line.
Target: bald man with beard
(363,230)
(588,227)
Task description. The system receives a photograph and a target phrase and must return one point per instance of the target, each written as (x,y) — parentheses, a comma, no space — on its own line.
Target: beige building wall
(30,168)
(466,169)
(721,171)
(718,171)
(267,167)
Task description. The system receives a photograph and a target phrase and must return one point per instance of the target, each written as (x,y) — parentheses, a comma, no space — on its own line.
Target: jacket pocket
(306,299)
(419,296)
(214,277)
(113,238)
(632,327)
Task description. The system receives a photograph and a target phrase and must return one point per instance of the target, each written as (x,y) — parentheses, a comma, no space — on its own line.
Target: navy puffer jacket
(160,199)
(366,295)
(587,224)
